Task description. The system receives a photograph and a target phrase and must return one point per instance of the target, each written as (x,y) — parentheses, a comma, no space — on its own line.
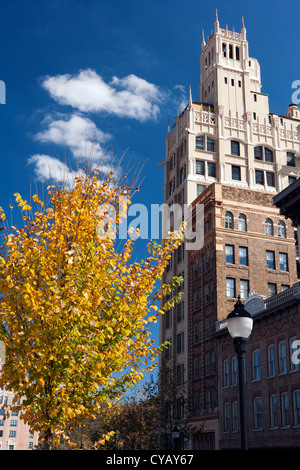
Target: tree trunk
(47,440)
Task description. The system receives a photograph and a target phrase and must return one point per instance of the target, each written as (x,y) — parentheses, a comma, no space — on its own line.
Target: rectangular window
(168,317)
(268,155)
(180,311)
(272,289)
(270,258)
(290,159)
(257,411)
(12,433)
(13,422)
(243,253)
(273,411)
(197,333)
(225,80)
(226,418)
(296,397)
(200,142)
(283,261)
(256,365)
(226,373)
(196,368)
(232,82)
(285,408)
(211,169)
(206,293)
(271,361)
(235,148)
(224,49)
(211,145)
(168,349)
(259,177)
(282,359)
(236,173)
(244,288)
(258,153)
(200,167)
(182,174)
(200,188)
(234,371)
(284,287)
(229,251)
(230,287)
(235,416)
(180,343)
(237,53)
(293,354)
(270,179)
(180,374)
(180,253)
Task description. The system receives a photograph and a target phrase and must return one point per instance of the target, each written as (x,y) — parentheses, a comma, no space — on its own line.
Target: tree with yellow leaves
(75,309)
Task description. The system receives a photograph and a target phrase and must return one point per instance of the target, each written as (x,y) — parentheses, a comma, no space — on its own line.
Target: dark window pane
(211,169)
(259,177)
(235,148)
(258,153)
(200,142)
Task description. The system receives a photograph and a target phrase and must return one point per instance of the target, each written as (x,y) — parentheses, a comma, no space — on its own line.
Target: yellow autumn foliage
(75,310)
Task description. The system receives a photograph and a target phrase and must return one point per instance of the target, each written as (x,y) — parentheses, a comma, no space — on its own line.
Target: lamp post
(175,436)
(239,324)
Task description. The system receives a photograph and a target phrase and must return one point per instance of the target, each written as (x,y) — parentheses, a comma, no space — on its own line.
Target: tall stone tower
(230,137)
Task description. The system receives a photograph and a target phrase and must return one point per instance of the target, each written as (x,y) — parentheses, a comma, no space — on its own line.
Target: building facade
(248,248)
(14,433)
(272,379)
(228,138)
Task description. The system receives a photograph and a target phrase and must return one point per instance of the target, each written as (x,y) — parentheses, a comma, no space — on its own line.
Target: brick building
(231,153)
(248,247)
(271,375)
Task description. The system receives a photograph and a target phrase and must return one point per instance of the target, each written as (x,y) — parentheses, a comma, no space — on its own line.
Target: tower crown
(227,51)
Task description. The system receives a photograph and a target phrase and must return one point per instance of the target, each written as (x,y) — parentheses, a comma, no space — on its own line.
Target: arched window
(242,223)
(269,227)
(281,232)
(228,222)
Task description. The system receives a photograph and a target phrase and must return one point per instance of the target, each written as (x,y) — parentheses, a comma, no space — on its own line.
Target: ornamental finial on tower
(190,96)
(243,32)
(217,25)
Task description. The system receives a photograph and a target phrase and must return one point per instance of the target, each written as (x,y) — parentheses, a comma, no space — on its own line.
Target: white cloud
(130,96)
(50,168)
(80,134)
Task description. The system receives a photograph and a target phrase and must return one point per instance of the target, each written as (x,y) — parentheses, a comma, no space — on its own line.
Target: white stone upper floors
(230,136)
(208,145)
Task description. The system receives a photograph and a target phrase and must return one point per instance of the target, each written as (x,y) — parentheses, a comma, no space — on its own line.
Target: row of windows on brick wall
(271,260)
(210,401)
(242,225)
(209,365)
(278,362)
(206,262)
(279,411)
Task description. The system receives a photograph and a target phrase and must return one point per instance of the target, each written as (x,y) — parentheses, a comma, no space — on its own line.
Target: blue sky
(137,59)
(113,71)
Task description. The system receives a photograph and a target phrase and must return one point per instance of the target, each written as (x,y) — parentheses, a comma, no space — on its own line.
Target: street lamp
(239,324)
(175,436)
